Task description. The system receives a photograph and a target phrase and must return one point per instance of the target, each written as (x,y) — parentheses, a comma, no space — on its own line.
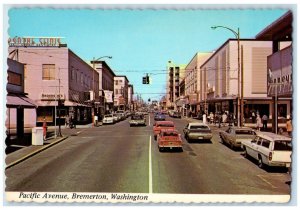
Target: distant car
(116,118)
(197,131)
(176,114)
(269,149)
(162,125)
(159,117)
(108,119)
(137,119)
(169,138)
(234,136)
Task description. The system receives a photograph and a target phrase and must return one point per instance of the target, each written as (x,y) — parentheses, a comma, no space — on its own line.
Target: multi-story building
(121,92)
(174,76)
(130,97)
(280,67)
(219,78)
(106,86)
(192,81)
(53,74)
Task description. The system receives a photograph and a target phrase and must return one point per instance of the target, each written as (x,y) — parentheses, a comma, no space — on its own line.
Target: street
(119,158)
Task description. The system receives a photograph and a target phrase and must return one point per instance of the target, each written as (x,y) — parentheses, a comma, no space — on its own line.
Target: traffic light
(147,80)
(144,80)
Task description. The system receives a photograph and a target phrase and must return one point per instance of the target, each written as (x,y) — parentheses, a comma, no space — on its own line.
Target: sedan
(234,136)
(169,138)
(137,120)
(197,131)
(108,119)
(159,117)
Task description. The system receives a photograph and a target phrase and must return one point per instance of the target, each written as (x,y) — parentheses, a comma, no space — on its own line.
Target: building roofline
(122,76)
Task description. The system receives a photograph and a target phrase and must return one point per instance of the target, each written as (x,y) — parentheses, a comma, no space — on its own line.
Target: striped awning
(15,101)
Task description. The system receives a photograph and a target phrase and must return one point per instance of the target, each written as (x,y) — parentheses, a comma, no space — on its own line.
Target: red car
(158,125)
(169,138)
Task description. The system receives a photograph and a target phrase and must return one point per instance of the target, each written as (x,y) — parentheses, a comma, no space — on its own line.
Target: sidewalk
(17,153)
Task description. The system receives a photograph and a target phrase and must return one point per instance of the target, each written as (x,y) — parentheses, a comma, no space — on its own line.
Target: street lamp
(237,36)
(93,62)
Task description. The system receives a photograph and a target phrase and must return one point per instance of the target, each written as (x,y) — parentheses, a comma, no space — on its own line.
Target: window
(48,72)
(265,143)
(72,73)
(81,78)
(116,82)
(283,145)
(116,90)
(258,141)
(14,78)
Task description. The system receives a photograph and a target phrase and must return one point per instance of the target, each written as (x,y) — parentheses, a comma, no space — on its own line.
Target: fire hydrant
(44,130)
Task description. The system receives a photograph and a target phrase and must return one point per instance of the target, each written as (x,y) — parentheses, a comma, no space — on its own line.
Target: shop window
(48,71)
(14,78)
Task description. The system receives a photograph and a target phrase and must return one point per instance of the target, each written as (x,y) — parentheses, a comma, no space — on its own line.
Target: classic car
(159,117)
(137,119)
(233,136)
(197,131)
(269,149)
(108,119)
(158,125)
(169,138)
(177,115)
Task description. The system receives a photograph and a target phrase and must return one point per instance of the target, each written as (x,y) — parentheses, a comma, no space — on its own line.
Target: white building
(121,92)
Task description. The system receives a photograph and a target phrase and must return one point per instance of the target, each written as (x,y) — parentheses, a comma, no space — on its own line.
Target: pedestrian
(289,127)
(204,118)
(258,122)
(211,118)
(224,118)
(253,117)
(44,129)
(67,121)
(265,122)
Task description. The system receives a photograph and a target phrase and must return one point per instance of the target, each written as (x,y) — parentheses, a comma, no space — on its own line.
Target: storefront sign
(121,100)
(34,41)
(51,96)
(108,96)
(280,73)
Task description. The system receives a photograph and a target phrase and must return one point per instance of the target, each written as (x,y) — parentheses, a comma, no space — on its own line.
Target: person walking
(253,117)
(67,121)
(224,118)
(289,127)
(258,122)
(265,122)
(44,129)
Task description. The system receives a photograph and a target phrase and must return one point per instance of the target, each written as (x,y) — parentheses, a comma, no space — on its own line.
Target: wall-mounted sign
(52,96)
(108,96)
(35,41)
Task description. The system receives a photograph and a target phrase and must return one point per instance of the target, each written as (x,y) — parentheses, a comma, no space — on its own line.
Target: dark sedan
(159,117)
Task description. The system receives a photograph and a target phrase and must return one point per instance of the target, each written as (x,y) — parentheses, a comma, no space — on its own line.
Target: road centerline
(150,167)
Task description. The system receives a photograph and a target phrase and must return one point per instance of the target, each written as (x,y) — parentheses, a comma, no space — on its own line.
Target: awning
(20,101)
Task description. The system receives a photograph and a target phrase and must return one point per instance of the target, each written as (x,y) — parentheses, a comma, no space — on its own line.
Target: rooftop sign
(35,41)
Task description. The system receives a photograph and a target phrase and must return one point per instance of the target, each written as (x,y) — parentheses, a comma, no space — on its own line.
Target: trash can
(37,136)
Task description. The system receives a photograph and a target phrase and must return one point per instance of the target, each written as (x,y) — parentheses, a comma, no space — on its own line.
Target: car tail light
(270,156)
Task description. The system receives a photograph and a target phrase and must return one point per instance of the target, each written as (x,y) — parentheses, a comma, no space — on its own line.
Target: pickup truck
(269,149)
(159,125)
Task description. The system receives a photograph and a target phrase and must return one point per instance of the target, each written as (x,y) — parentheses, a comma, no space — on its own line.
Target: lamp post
(93,105)
(237,36)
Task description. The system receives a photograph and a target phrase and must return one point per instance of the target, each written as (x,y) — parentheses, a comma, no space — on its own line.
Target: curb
(35,152)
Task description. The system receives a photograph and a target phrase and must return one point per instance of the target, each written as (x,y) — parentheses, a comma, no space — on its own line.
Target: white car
(269,149)
(116,117)
(108,119)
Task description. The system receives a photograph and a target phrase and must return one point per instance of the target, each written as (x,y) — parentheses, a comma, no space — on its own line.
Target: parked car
(197,131)
(234,136)
(108,119)
(159,117)
(269,149)
(169,138)
(137,119)
(158,125)
(176,114)
(116,118)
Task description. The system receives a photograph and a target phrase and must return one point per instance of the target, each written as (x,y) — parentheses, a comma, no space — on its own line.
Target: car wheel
(260,162)
(246,153)
(160,149)
(222,141)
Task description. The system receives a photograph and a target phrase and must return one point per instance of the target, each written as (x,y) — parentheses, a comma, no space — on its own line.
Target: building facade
(56,74)
(130,97)
(21,110)
(106,87)
(121,92)
(192,81)
(174,76)
(220,82)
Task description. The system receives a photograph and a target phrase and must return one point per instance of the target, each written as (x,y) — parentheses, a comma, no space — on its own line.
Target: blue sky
(140,41)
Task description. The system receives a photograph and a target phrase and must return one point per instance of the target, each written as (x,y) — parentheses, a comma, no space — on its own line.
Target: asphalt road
(119,158)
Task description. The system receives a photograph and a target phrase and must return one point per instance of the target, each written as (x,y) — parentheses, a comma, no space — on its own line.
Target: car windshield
(283,146)
(109,115)
(166,125)
(199,127)
(170,134)
(244,132)
(137,117)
